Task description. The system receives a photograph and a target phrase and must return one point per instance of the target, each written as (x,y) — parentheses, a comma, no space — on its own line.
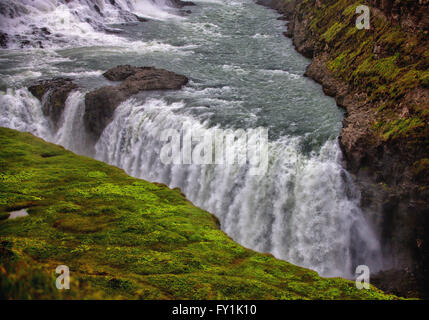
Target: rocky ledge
(181,4)
(101,103)
(53,95)
(380,77)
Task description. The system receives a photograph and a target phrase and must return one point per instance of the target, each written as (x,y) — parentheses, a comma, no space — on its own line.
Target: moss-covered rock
(125,238)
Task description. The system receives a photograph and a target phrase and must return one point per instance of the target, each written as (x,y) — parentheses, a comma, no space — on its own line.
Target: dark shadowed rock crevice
(3,40)
(101,103)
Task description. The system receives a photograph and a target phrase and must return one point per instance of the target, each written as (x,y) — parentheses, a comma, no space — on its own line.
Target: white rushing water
(61,23)
(304,208)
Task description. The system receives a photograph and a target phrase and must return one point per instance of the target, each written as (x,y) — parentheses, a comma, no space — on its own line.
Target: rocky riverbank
(380,76)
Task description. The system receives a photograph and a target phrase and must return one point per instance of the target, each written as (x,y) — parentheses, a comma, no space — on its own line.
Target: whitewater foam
(302,210)
(60,23)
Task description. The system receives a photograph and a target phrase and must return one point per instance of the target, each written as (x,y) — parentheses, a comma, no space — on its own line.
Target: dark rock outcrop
(136,79)
(398,282)
(385,130)
(181,4)
(3,40)
(101,103)
(284,7)
(53,95)
(141,19)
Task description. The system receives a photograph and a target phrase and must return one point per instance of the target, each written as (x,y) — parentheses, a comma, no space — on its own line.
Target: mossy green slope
(126,238)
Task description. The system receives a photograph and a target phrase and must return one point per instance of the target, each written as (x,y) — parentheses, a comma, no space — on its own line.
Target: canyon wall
(380,76)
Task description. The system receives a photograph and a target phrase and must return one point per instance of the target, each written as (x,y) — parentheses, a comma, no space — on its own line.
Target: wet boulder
(3,40)
(53,95)
(101,103)
(181,4)
(146,78)
(140,19)
(120,73)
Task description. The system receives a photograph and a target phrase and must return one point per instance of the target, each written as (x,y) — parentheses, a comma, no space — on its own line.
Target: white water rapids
(304,209)
(53,23)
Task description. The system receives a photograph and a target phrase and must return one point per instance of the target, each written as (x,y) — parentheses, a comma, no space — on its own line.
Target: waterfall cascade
(303,209)
(65,23)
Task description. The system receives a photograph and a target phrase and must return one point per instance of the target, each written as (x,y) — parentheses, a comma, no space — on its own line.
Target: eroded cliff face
(381,77)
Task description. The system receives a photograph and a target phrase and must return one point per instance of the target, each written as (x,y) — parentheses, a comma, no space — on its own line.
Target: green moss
(351,10)
(424,79)
(378,72)
(125,238)
(387,67)
(393,39)
(333,31)
(96,174)
(338,64)
(351,51)
(400,127)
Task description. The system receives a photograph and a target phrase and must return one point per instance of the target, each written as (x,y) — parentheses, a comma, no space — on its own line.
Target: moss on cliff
(388,63)
(385,60)
(123,237)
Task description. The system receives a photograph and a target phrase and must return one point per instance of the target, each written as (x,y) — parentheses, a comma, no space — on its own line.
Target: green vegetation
(385,62)
(332,32)
(399,128)
(125,238)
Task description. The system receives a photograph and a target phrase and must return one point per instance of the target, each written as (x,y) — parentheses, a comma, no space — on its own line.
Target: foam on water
(20,110)
(60,23)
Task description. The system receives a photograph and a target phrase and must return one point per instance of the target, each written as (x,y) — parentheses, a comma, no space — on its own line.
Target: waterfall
(304,209)
(61,23)
(71,133)
(21,111)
